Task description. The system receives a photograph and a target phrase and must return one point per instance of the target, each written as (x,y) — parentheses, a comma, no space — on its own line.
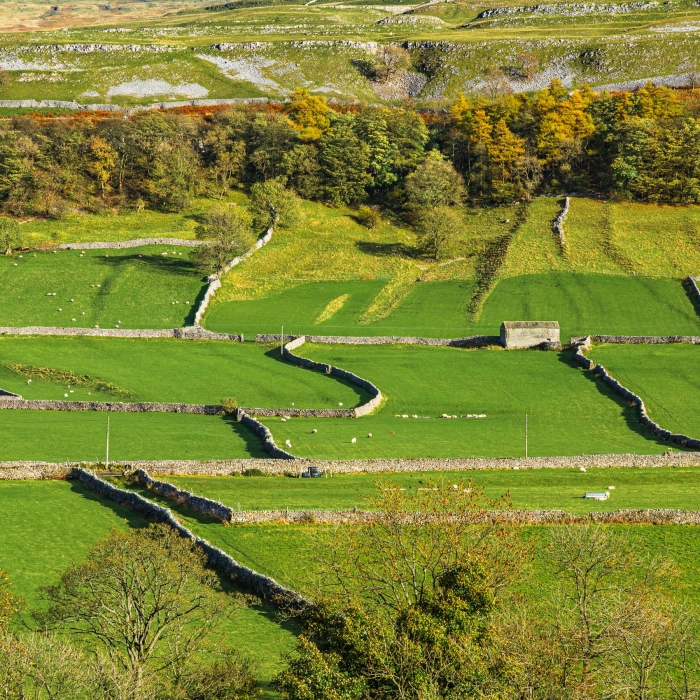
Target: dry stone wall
(363,410)
(112,407)
(694,289)
(206,506)
(636,401)
(279,467)
(77,106)
(187,333)
(474,341)
(214,281)
(134,243)
(519,517)
(242,576)
(263,432)
(558,224)
(644,339)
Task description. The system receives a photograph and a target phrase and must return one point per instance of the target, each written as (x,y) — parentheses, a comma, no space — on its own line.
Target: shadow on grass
(629,413)
(161,264)
(384,250)
(134,520)
(363,396)
(253,444)
(692,298)
(189,319)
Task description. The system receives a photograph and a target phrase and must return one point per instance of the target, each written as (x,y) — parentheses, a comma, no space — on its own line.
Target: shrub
(368,216)
(253,472)
(229,404)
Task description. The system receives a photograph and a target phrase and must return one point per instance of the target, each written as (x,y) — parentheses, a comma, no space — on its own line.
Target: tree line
(433,600)
(641,145)
(421,165)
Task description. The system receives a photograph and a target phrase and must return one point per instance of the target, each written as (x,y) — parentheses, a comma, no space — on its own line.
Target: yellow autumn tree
(103,160)
(562,120)
(308,114)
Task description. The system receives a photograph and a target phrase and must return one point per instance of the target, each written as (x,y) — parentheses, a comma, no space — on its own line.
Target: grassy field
(183,371)
(57,436)
(35,549)
(665,376)
(582,304)
(123,226)
(133,288)
(291,553)
(568,413)
(624,281)
(551,489)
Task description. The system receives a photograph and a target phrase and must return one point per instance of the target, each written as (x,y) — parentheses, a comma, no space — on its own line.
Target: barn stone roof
(530,324)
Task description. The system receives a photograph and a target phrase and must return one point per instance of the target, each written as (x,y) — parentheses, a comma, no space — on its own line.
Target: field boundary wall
(651,426)
(520,517)
(220,561)
(77,106)
(641,339)
(186,332)
(200,504)
(109,406)
(29,470)
(558,224)
(263,432)
(133,243)
(214,281)
(362,410)
(474,341)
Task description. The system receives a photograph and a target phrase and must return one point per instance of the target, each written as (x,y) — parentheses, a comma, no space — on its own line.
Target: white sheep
(369,435)
(288,443)
(314,430)
(340,403)
(353,441)
(582,469)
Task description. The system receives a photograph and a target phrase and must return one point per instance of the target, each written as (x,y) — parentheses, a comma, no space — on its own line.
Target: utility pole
(107,455)
(526,436)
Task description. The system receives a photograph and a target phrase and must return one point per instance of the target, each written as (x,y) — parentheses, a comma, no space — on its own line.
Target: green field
(291,553)
(59,436)
(131,288)
(182,371)
(582,304)
(121,226)
(665,376)
(568,413)
(76,519)
(531,489)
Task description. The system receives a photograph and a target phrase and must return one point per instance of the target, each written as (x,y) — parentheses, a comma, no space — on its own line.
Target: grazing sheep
(353,441)
(369,435)
(288,443)
(582,469)
(314,430)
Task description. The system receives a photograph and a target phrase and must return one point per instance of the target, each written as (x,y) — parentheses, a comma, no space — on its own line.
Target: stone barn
(529,334)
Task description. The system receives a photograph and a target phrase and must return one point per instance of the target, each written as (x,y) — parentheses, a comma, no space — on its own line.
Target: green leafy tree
(410,601)
(228,232)
(144,597)
(344,165)
(272,203)
(11,235)
(435,183)
(372,129)
(438,229)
